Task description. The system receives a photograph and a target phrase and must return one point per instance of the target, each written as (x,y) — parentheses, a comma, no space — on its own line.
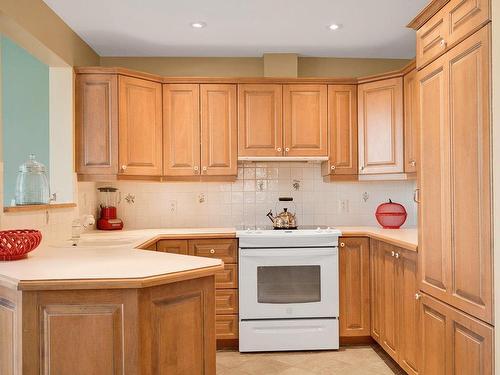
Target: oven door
(288,283)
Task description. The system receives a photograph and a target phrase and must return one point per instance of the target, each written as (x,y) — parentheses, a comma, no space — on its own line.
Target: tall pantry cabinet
(455,181)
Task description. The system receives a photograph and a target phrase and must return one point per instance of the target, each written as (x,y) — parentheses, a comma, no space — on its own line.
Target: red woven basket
(391,215)
(16,244)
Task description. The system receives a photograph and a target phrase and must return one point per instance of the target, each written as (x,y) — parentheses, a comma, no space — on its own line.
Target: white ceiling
(369,28)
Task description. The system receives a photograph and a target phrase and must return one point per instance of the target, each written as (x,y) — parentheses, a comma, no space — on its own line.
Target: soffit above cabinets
(368,28)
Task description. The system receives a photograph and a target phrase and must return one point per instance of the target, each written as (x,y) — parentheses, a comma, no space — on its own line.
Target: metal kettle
(285,219)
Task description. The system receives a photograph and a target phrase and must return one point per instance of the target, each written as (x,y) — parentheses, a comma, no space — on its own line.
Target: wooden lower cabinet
(354,261)
(452,341)
(172,246)
(226,281)
(395,314)
(163,329)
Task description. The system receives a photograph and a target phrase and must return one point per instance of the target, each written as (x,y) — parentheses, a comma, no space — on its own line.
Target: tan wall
(253,66)
(33,25)
(190,66)
(345,67)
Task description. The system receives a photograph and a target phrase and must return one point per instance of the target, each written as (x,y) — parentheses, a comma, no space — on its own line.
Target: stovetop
(320,236)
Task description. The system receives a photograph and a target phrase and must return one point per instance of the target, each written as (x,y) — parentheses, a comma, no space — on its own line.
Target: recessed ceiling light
(198,25)
(333,26)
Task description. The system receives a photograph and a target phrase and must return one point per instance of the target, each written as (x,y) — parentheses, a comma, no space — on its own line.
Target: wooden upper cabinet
(455,241)
(343,128)
(140,127)
(260,127)
(411,122)
(305,120)
(454,22)
(181,129)
(380,122)
(464,17)
(354,265)
(96,118)
(431,39)
(219,140)
(453,342)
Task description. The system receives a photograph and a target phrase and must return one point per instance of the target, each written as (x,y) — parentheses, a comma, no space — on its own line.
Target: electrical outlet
(172,206)
(343,205)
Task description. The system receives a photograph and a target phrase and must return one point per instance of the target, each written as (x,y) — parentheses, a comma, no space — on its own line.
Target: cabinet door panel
(181,129)
(96,119)
(343,126)
(140,127)
(434,236)
(354,287)
(219,155)
(390,301)
(411,121)
(454,342)
(260,128)
(376,280)
(305,120)
(471,180)
(465,16)
(380,119)
(409,316)
(434,356)
(431,38)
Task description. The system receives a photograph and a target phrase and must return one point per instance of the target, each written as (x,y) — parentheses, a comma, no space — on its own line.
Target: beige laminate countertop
(407,238)
(113,259)
(110,259)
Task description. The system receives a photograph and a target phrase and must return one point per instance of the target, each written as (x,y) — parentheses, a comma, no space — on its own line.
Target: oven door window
(288,284)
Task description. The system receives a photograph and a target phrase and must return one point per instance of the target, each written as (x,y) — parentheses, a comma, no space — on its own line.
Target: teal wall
(25,111)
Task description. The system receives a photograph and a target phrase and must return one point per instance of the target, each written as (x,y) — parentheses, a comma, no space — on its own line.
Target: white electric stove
(288,289)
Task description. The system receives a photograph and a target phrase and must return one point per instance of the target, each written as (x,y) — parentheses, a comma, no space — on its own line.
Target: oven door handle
(268,253)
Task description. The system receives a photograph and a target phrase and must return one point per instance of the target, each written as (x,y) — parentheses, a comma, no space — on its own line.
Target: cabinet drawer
(226,301)
(221,249)
(227,278)
(173,246)
(226,326)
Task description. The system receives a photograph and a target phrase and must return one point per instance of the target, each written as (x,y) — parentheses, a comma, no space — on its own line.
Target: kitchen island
(107,307)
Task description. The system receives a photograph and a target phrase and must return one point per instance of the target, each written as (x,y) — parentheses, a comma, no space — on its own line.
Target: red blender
(108,197)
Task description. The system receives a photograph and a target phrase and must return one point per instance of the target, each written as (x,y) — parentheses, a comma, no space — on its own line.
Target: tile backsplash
(245,202)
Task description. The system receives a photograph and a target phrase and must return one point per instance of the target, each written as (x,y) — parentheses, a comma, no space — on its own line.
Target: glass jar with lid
(32,186)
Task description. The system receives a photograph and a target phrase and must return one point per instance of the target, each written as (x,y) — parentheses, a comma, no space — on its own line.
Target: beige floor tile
(346,361)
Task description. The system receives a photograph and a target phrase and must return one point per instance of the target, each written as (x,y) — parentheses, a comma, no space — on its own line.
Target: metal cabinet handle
(204,169)
(413,163)
(443,43)
(342,244)
(362,168)
(124,167)
(416,195)
(333,167)
(287,149)
(393,253)
(397,255)
(212,251)
(278,149)
(418,296)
